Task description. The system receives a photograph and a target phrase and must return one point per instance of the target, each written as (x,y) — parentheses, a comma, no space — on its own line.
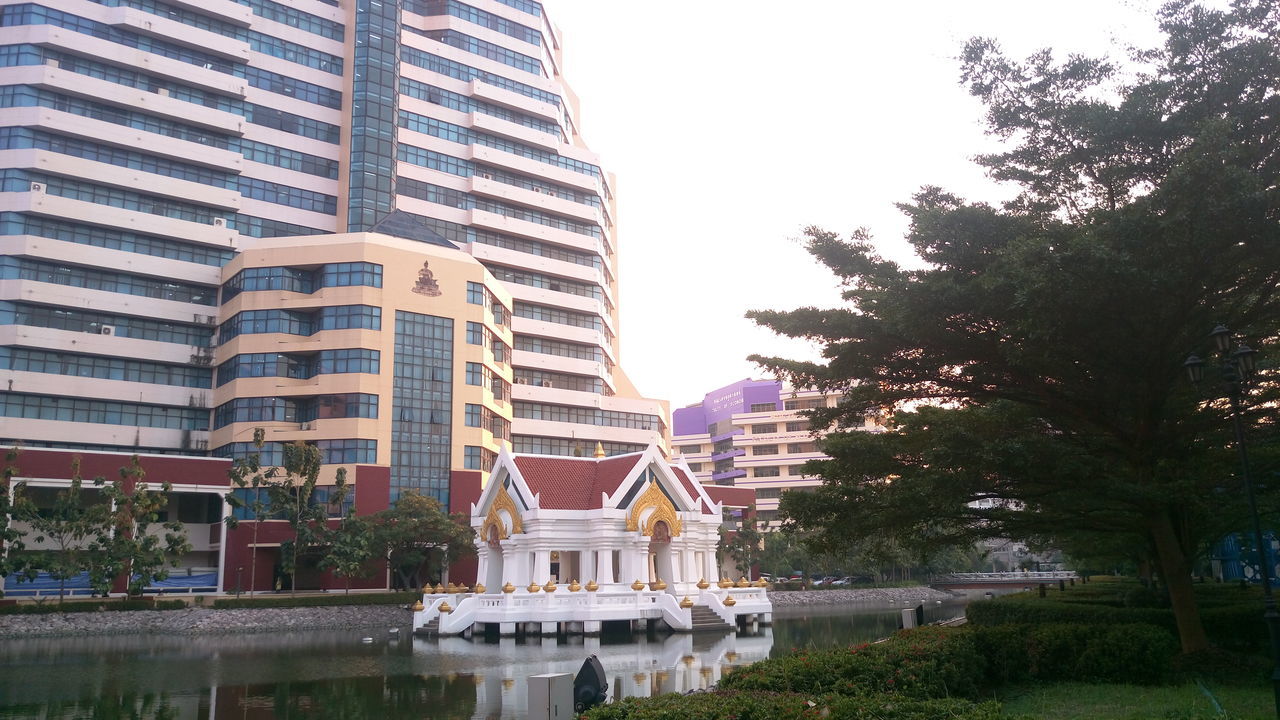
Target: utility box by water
(551,697)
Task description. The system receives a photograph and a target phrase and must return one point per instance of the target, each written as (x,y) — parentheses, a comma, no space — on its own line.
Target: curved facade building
(145,143)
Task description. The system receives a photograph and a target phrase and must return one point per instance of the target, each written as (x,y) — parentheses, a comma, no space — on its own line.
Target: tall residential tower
(144,143)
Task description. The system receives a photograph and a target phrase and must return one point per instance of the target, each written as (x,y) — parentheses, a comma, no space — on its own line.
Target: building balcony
(732,452)
(728,474)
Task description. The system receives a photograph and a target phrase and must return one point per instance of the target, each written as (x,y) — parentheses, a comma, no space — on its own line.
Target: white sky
(733,125)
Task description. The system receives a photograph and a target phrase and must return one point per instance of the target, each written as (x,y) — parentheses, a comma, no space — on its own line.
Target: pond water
(339,674)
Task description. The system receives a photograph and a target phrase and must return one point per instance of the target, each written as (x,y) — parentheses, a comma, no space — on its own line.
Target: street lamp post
(1236,365)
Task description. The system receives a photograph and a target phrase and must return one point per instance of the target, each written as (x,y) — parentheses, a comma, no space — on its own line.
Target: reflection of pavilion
(639,533)
(672,663)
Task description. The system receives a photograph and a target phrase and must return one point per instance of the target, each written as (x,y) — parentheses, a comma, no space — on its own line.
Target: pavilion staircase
(705,620)
(431,629)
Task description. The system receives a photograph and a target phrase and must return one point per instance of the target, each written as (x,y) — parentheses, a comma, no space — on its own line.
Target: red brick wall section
(373,488)
(464,489)
(175,469)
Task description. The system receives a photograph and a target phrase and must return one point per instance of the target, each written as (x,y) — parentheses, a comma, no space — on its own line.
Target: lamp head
(1245,359)
(1195,368)
(1221,338)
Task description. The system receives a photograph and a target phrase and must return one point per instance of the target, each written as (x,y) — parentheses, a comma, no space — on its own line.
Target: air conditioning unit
(308,426)
(547,383)
(37,187)
(200,445)
(219,222)
(522,381)
(106,329)
(486,176)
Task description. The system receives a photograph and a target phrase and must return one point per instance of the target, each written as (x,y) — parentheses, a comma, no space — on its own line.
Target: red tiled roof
(732,496)
(689,486)
(566,483)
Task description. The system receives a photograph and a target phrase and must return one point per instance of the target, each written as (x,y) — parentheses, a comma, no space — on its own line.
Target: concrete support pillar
(548,628)
(507,629)
(482,563)
(591,627)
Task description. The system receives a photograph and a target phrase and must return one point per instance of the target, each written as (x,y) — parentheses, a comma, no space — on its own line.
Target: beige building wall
(405,287)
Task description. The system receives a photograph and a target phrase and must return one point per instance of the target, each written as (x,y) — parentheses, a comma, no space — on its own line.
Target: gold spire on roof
(599,450)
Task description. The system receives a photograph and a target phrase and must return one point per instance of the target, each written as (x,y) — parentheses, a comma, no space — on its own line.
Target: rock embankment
(197,620)
(857,595)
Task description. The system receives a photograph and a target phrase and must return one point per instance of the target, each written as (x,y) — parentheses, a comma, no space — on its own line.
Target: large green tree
(419,538)
(68,530)
(1036,357)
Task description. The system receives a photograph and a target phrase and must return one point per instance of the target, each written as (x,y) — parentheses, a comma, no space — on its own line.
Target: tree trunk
(1175,566)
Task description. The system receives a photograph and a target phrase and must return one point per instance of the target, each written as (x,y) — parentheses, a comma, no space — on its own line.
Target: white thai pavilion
(586,540)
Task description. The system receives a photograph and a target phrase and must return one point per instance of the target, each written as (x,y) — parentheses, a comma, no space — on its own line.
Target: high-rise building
(143,143)
(753,434)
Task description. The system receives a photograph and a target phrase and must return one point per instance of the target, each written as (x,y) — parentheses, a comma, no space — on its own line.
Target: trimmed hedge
(79,606)
(1236,624)
(735,705)
(927,662)
(1133,654)
(933,662)
(284,601)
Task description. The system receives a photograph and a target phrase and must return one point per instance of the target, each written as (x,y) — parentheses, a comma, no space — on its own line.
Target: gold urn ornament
(426,589)
(743,582)
(508,588)
(574,586)
(592,586)
(686,602)
(480,588)
(762,583)
(703,584)
(439,589)
(533,587)
(729,601)
(550,586)
(660,585)
(417,606)
(637,585)
(444,608)
(725,583)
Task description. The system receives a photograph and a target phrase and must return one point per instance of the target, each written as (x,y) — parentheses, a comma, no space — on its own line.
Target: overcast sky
(732,125)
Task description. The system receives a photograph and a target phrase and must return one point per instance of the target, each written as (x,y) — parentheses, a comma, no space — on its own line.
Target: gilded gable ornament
(663,511)
(501,501)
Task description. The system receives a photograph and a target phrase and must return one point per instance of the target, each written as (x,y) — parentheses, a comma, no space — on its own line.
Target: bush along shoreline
(1089,637)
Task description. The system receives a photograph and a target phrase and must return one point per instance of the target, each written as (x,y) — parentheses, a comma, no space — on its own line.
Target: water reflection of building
(674,663)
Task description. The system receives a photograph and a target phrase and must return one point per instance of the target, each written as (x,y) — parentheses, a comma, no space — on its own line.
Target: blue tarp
(80,583)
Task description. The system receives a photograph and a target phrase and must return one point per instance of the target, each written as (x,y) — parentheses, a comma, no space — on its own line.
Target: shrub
(1136,654)
(735,705)
(91,606)
(277,601)
(926,662)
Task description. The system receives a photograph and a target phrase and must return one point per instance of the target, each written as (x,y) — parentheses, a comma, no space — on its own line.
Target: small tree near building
(72,525)
(129,548)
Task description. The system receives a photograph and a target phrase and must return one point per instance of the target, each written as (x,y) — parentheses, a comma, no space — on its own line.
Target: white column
(482,564)
(604,566)
(541,567)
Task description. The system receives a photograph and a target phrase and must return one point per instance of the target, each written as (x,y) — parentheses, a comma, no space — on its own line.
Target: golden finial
(599,450)
(426,589)
(508,588)
(637,585)
(417,606)
(703,584)
(742,582)
(725,583)
(592,586)
(762,583)
(439,589)
(574,586)
(660,585)
(444,608)
(480,588)
(729,601)
(686,602)
(550,586)
(533,587)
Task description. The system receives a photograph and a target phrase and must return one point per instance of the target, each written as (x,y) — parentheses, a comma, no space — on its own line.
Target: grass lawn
(1063,701)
